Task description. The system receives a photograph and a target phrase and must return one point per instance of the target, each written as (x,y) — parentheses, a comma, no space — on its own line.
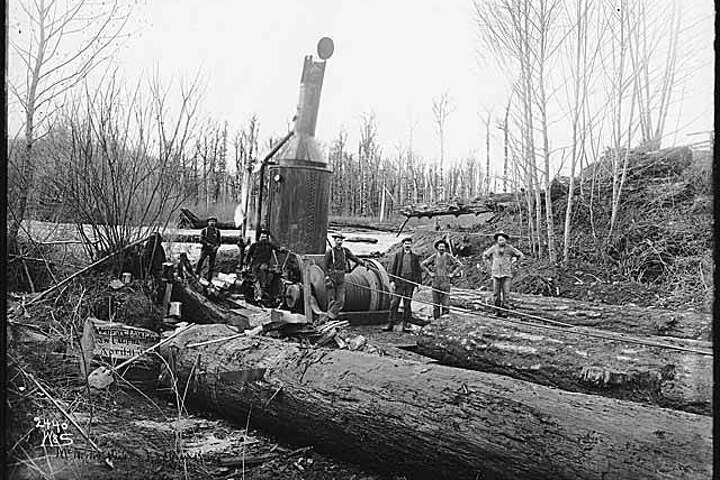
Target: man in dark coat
(405,265)
(258,259)
(210,240)
(335,268)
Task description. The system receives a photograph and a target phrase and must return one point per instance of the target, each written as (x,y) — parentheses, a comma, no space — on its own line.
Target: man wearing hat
(258,260)
(446,267)
(500,259)
(335,266)
(405,266)
(210,240)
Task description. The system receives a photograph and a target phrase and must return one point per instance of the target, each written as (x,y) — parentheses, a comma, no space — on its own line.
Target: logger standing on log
(258,260)
(500,259)
(446,267)
(210,240)
(335,265)
(405,266)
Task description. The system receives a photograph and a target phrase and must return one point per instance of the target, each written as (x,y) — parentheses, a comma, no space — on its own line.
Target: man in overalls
(446,267)
(335,267)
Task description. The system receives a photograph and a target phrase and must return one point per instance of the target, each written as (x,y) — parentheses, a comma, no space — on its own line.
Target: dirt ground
(141,431)
(146,438)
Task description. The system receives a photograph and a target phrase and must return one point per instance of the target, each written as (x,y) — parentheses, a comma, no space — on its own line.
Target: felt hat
(265,231)
(407,239)
(212,218)
(501,234)
(443,242)
(338,235)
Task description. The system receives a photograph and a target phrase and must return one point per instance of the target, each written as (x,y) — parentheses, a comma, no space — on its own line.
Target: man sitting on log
(210,240)
(258,261)
(335,266)
(500,259)
(405,266)
(446,267)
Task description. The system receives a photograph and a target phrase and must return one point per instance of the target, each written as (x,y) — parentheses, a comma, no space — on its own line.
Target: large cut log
(575,362)
(435,422)
(615,318)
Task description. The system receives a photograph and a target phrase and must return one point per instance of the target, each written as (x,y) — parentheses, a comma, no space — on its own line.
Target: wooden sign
(114,342)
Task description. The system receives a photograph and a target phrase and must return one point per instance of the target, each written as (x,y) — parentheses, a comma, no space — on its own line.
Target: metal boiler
(298,207)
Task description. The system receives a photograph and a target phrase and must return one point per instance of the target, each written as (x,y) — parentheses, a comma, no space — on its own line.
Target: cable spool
(366,289)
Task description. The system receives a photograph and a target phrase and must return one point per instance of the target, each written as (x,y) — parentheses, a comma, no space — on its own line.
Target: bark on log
(226,237)
(650,375)
(189,219)
(615,318)
(435,422)
(197,308)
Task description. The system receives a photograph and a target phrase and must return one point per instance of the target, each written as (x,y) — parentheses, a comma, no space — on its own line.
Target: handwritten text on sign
(118,341)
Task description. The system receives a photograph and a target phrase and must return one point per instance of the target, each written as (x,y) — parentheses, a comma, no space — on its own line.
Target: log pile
(489,204)
(435,422)
(573,362)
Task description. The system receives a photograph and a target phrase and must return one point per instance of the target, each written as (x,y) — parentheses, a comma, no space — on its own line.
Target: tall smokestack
(299,193)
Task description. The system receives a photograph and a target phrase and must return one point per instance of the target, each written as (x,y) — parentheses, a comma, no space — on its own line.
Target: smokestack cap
(325,48)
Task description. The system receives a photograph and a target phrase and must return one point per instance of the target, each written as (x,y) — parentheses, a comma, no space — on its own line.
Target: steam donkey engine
(297,210)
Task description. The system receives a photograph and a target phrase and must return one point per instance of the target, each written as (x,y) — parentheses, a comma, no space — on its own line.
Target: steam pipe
(258,214)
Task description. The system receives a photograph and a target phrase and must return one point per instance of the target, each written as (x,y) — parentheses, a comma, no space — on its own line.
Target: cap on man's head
(338,235)
(501,234)
(212,219)
(407,239)
(264,231)
(437,244)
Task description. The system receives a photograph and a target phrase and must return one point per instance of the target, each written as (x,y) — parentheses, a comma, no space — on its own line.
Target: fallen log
(189,219)
(198,308)
(226,237)
(435,422)
(614,318)
(640,373)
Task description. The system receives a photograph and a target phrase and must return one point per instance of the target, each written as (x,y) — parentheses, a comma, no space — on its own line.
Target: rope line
(569,328)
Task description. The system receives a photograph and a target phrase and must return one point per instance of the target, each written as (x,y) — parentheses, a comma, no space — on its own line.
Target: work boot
(405,327)
(388,327)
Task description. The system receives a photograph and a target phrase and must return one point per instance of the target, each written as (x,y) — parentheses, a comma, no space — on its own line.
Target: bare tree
(486,121)
(622,92)
(504,127)
(63,43)
(584,49)
(654,86)
(442,107)
(119,153)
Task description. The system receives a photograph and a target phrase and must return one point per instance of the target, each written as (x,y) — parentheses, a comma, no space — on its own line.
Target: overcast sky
(391,57)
